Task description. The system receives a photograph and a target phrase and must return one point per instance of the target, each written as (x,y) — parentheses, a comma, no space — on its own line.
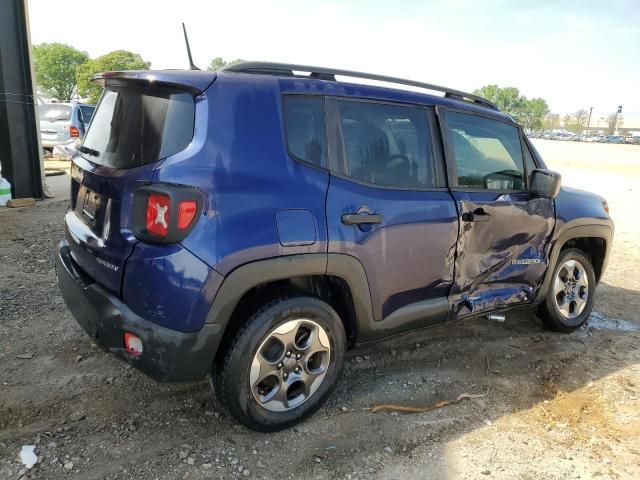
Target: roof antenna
(186,41)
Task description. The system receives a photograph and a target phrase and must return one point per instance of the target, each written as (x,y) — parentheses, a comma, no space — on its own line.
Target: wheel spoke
(558,285)
(580,304)
(564,305)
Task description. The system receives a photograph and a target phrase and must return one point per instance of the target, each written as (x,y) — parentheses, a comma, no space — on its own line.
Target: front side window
(304,127)
(386,145)
(486,152)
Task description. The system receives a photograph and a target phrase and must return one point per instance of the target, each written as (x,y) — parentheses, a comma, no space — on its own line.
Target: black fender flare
(569,232)
(237,283)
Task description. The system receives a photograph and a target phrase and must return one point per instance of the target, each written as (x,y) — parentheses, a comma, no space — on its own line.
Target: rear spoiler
(194,81)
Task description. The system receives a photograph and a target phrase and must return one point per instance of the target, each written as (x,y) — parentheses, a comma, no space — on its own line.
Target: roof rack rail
(322,73)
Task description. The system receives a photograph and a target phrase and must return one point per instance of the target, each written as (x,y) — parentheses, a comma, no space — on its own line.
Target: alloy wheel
(571,289)
(289,365)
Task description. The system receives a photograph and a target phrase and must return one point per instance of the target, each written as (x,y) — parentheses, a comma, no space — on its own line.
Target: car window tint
(487,152)
(304,117)
(135,125)
(386,144)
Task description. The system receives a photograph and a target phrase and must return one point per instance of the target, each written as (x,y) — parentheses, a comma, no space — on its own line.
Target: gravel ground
(554,406)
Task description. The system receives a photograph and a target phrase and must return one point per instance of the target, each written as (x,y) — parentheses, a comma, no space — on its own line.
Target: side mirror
(545,183)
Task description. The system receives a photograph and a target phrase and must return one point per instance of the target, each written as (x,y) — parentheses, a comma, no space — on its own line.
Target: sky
(574,54)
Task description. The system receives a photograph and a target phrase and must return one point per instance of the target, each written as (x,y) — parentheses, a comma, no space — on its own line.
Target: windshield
(133,126)
(54,112)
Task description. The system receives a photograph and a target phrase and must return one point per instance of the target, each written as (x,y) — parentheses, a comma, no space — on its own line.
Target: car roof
(310,86)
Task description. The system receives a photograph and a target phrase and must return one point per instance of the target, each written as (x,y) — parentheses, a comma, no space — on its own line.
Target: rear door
(133,128)
(504,229)
(387,205)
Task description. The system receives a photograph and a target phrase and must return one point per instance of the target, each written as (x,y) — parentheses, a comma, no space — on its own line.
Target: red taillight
(74,132)
(165,213)
(158,214)
(132,344)
(186,212)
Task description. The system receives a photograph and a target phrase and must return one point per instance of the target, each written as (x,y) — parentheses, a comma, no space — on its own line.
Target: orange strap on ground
(393,407)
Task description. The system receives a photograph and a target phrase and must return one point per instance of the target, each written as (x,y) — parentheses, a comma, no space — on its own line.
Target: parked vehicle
(614,139)
(63,123)
(255,223)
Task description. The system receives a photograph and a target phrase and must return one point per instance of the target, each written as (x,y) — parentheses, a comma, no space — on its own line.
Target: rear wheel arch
(337,279)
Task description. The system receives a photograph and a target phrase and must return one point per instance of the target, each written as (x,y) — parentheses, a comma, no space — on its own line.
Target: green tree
(614,122)
(576,122)
(532,112)
(55,68)
(507,99)
(112,61)
(219,63)
(528,113)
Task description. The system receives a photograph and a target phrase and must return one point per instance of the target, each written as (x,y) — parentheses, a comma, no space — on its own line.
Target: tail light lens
(132,344)
(158,214)
(186,212)
(74,132)
(165,213)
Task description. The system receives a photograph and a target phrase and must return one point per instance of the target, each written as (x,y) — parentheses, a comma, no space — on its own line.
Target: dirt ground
(554,406)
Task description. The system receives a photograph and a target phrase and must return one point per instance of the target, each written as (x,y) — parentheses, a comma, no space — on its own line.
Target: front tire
(571,295)
(282,364)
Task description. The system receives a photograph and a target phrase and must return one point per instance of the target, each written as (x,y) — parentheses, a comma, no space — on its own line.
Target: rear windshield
(54,113)
(133,126)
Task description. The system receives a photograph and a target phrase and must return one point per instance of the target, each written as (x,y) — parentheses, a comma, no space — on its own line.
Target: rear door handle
(362,218)
(478,215)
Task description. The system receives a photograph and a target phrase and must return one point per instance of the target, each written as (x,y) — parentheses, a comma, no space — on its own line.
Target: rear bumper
(168,355)
(55,143)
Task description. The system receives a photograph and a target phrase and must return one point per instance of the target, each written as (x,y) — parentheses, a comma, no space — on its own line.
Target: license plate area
(88,206)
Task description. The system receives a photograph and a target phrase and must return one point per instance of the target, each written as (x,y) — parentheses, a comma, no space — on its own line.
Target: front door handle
(362,218)
(478,215)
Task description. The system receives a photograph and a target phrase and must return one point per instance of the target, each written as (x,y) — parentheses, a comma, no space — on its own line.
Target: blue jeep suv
(256,222)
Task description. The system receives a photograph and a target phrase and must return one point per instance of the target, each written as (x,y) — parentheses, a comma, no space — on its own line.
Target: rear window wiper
(88,151)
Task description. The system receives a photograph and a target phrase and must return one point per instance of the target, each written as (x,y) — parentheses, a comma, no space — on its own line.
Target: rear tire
(282,364)
(571,295)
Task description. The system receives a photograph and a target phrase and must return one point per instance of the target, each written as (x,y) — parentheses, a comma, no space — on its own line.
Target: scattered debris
(28,456)
(392,407)
(21,202)
(76,417)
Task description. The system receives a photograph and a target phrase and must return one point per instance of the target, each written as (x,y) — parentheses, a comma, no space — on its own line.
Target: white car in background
(62,124)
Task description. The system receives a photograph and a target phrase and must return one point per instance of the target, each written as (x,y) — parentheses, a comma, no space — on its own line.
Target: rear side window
(386,145)
(134,126)
(487,152)
(86,112)
(304,128)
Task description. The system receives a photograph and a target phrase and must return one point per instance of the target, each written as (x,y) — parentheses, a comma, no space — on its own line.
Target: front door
(387,207)
(504,230)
